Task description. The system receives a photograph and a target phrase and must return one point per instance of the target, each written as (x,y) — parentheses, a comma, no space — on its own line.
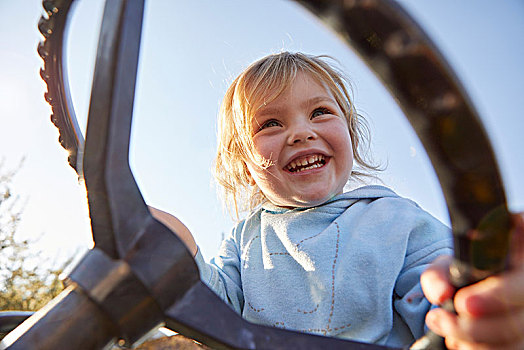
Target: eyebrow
(314,100)
(267,111)
(318,99)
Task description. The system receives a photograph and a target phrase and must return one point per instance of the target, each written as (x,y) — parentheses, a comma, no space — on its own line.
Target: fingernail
(477,305)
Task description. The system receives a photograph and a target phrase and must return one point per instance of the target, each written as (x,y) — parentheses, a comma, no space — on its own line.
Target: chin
(312,202)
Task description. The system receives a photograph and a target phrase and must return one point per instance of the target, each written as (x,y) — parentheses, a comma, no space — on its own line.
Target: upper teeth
(308,162)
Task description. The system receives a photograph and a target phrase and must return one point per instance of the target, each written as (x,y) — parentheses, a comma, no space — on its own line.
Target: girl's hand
(490,313)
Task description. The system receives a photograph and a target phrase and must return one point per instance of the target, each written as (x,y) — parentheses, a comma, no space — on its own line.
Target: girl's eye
(270,123)
(320,111)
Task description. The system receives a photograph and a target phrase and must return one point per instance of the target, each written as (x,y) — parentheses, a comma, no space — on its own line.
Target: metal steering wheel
(139,274)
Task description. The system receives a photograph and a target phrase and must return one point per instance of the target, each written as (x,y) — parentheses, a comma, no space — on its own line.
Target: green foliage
(25,282)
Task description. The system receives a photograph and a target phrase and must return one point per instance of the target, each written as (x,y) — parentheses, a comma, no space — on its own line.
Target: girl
(311,257)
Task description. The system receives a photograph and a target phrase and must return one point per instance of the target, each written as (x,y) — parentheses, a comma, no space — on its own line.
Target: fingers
(435,282)
(498,331)
(490,313)
(495,294)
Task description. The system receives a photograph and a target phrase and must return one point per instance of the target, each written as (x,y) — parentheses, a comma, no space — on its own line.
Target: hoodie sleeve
(222,274)
(428,239)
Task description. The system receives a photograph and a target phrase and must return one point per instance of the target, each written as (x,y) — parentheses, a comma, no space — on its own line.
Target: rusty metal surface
(140,274)
(112,97)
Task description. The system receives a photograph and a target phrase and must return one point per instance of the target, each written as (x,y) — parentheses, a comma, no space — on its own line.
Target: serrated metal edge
(53,26)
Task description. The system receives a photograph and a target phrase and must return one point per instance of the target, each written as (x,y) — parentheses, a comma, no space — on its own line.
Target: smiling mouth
(306,163)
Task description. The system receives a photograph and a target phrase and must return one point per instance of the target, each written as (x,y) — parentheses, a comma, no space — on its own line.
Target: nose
(301,132)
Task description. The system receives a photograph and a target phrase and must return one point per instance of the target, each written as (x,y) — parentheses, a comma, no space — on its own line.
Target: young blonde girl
(260,84)
(309,256)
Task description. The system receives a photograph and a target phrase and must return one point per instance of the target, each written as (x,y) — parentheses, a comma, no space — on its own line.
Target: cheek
(267,148)
(341,137)
(346,147)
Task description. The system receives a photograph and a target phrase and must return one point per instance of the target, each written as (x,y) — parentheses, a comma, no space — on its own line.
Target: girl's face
(304,135)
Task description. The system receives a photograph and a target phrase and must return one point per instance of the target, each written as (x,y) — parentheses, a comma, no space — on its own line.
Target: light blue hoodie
(348,268)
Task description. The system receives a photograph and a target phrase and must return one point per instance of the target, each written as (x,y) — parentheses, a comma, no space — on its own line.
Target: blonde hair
(259,84)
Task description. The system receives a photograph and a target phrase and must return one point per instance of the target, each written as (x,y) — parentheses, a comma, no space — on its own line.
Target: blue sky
(190,52)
